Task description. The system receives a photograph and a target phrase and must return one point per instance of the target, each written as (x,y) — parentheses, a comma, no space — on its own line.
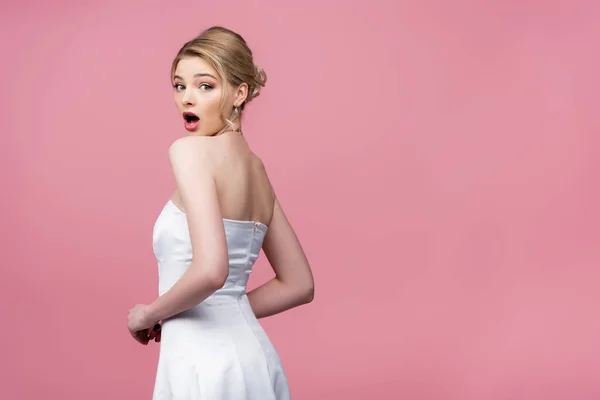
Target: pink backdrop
(439,162)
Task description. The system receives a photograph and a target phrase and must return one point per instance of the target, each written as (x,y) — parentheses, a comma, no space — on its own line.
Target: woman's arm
(293,284)
(193,170)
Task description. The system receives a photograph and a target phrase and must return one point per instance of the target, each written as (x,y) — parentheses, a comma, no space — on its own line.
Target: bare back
(243,187)
(245,192)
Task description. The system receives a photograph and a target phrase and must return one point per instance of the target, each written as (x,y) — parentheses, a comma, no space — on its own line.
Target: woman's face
(197,92)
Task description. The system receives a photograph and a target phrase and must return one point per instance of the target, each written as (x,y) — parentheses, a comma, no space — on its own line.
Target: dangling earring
(236,111)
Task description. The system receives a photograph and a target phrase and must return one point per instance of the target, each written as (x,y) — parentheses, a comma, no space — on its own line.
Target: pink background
(439,161)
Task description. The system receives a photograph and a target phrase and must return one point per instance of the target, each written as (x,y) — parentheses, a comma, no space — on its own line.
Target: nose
(187,98)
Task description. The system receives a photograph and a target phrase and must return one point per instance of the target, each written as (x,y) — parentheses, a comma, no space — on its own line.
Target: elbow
(217,281)
(305,290)
(216,278)
(309,290)
(308,294)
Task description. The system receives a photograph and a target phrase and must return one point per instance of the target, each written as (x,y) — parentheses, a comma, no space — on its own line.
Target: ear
(241,94)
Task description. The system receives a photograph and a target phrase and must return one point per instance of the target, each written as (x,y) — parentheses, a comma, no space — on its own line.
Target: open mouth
(190,118)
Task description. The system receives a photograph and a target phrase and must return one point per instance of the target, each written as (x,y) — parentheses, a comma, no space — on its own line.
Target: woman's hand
(137,319)
(141,328)
(146,335)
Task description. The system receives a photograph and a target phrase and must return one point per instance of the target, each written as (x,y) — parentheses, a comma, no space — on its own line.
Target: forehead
(190,66)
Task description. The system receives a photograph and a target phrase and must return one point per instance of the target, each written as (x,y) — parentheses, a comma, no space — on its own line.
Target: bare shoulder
(258,162)
(259,166)
(191,150)
(188,144)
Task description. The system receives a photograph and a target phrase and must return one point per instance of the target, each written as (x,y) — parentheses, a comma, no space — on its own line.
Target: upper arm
(284,251)
(193,171)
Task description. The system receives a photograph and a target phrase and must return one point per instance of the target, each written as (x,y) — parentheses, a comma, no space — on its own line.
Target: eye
(179,87)
(205,86)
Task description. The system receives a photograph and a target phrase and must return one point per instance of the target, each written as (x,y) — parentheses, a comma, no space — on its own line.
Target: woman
(209,234)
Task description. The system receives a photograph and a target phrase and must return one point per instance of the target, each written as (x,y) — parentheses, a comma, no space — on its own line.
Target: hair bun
(260,79)
(260,75)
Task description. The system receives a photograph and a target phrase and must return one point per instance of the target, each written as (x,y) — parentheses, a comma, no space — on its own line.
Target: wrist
(152,313)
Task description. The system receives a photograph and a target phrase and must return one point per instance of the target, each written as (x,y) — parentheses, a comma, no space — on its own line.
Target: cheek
(214,106)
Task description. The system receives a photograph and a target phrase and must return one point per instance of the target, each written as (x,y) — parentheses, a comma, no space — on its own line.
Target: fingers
(146,335)
(154,334)
(143,338)
(140,336)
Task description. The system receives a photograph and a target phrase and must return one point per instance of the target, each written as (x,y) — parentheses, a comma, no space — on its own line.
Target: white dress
(217,350)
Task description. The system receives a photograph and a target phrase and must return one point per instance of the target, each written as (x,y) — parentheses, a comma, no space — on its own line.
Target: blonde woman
(209,234)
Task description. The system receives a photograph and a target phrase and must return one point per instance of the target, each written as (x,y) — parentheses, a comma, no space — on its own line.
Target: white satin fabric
(216,350)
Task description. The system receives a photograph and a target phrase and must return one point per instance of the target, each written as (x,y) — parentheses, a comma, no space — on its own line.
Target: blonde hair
(228,53)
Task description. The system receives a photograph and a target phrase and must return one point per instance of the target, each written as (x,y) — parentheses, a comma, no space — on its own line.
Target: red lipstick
(191,121)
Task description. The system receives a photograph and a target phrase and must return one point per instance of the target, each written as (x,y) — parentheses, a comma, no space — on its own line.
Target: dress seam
(260,344)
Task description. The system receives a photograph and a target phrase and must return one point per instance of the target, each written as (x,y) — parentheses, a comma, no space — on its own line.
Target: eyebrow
(196,76)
